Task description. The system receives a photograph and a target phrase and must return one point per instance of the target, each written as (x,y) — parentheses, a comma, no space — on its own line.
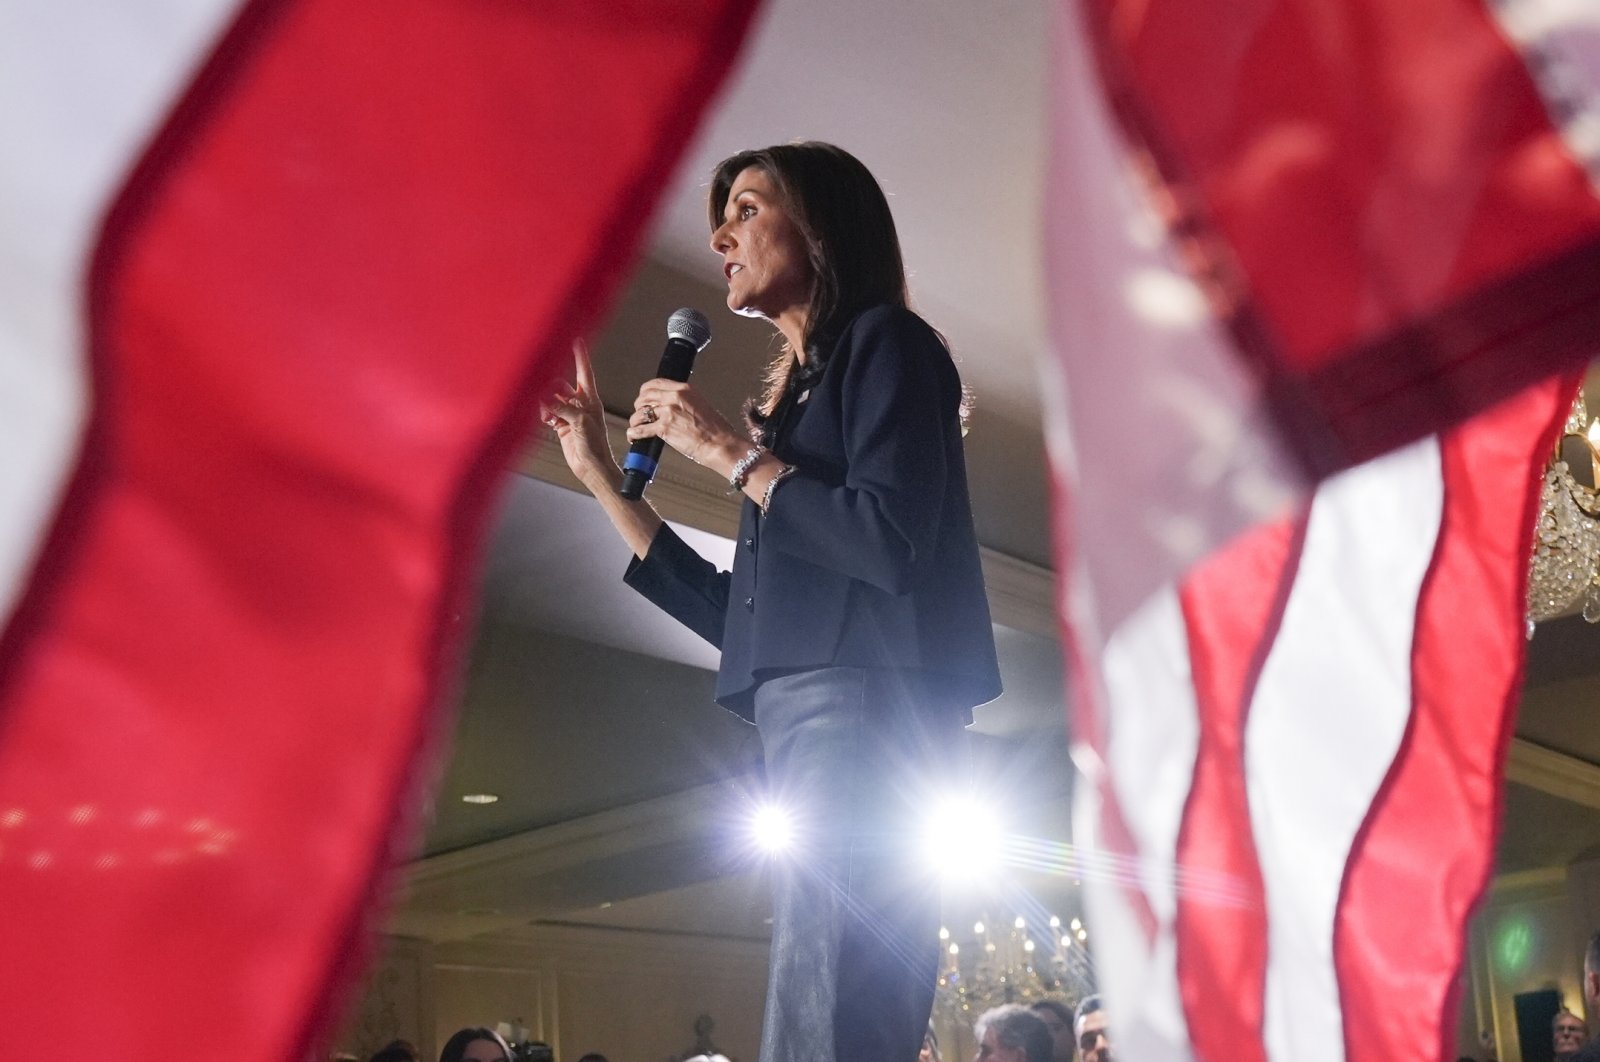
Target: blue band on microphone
(640,463)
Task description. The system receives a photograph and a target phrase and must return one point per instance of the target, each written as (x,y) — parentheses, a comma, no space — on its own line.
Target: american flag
(1301,255)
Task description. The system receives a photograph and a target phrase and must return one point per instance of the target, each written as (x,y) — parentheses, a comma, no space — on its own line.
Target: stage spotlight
(772,828)
(963,838)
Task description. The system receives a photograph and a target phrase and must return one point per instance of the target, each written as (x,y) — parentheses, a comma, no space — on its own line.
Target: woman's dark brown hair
(850,238)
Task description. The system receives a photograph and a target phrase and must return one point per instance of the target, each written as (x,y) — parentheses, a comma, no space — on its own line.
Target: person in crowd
(476,1045)
(1568,1034)
(854,626)
(594,1056)
(1089,1028)
(1012,1033)
(1590,1052)
(1057,1017)
(930,1046)
(396,1051)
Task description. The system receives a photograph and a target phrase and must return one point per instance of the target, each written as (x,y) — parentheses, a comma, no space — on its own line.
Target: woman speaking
(853,627)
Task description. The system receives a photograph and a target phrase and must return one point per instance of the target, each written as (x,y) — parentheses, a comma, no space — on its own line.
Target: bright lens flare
(772,828)
(963,838)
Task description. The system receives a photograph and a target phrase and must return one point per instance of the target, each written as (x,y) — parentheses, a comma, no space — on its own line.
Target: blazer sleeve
(898,399)
(682,584)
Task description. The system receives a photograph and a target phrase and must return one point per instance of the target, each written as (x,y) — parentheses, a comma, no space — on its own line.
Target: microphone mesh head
(689,325)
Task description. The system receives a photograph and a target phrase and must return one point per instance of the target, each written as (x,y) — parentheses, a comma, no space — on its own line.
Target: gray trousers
(854,758)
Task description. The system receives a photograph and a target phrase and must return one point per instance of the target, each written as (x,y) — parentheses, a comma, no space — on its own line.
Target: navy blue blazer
(867,556)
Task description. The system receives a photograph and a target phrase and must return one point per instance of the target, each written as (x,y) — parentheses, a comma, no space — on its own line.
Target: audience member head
(594,1056)
(930,1046)
(1012,1033)
(1591,974)
(397,1051)
(476,1045)
(1090,1029)
(1568,1033)
(1057,1017)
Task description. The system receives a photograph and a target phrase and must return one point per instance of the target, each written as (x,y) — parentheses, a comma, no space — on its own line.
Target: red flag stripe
(1426,852)
(322,310)
(1232,605)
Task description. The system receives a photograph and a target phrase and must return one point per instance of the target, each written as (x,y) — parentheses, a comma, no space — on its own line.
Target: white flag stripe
(1124,309)
(122,64)
(1153,734)
(1124,967)
(1558,39)
(1326,722)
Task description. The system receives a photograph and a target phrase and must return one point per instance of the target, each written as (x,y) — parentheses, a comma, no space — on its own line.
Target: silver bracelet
(741,469)
(778,477)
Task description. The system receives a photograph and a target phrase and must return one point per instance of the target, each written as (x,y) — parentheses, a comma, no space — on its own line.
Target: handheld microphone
(688,332)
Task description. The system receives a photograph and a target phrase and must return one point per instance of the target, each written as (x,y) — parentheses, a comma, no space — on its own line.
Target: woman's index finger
(582,367)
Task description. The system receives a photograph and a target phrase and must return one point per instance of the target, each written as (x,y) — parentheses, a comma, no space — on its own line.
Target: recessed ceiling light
(480,798)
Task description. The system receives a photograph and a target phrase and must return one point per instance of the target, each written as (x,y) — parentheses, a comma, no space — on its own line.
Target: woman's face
(484,1051)
(764,258)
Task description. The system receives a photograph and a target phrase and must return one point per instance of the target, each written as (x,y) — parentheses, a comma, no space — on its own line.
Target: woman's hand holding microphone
(682,418)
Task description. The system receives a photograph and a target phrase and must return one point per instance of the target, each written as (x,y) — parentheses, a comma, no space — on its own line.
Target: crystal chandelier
(1566,549)
(1021,964)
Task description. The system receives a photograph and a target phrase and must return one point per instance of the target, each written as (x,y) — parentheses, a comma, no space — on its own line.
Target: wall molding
(677,816)
(1555,773)
(551,871)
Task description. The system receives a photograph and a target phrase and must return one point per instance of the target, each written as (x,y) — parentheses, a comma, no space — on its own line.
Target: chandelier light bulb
(1083,934)
(944,934)
(1016,962)
(1076,924)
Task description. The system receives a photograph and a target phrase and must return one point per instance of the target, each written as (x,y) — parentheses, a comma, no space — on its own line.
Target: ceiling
(590,714)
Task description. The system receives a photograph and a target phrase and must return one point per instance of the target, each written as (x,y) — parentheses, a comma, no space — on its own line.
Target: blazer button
(749,543)
(750,603)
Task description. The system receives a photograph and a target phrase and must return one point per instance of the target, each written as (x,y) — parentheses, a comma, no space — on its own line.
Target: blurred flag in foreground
(279,282)
(1309,265)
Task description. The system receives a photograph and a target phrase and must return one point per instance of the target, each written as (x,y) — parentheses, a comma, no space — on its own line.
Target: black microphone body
(688,332)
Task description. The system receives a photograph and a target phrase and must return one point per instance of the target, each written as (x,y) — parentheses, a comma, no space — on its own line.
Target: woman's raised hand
(575,412)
